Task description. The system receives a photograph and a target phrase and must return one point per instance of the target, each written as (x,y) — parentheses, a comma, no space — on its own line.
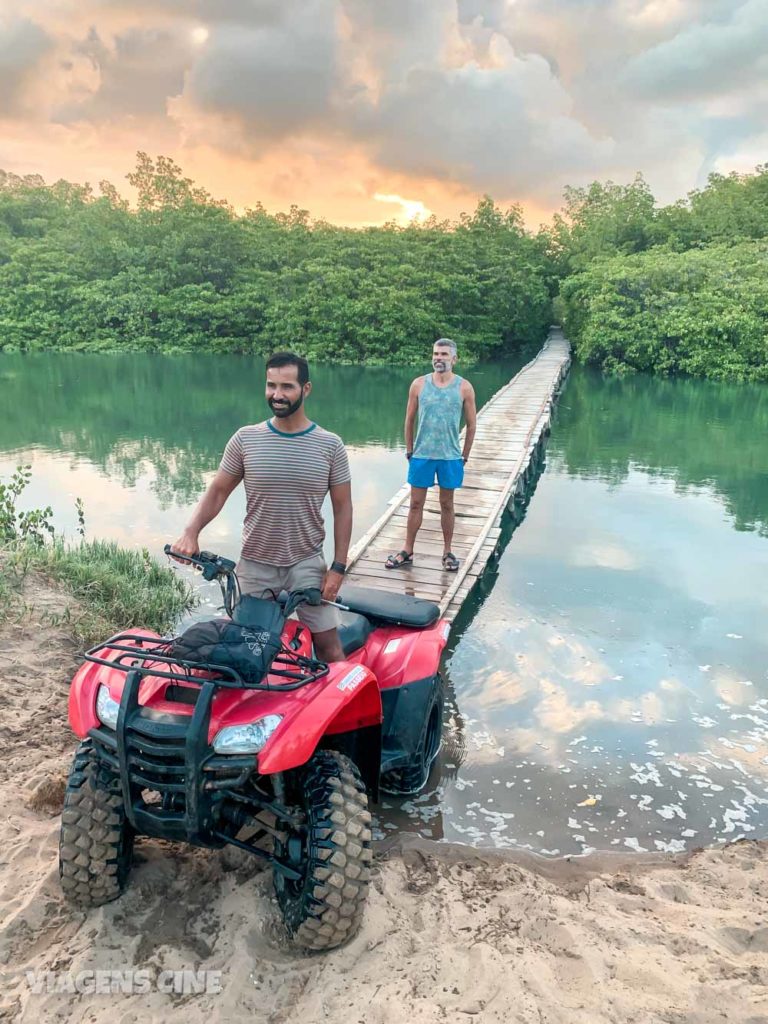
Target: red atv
(233,733)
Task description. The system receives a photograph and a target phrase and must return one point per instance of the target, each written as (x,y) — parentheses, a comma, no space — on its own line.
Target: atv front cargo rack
(133,653)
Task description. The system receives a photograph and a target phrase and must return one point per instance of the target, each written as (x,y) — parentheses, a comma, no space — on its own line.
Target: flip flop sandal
(450,562)
(398,560)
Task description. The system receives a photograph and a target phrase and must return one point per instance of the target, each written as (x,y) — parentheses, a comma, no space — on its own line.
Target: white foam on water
(634,844)
(670,845)
(670,811)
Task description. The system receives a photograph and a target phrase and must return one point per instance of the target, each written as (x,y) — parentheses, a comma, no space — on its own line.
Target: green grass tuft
(115,588)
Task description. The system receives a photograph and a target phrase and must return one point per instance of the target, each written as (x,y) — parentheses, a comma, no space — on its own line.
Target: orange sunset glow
(363,111)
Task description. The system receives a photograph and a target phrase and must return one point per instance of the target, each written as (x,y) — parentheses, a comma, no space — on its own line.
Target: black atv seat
(384,606)
(353,631)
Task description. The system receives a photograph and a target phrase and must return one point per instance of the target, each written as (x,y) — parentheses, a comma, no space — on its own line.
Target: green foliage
(677,290)
(702,312)
(731,208)
(119,588)
(606,219)
(184,272)
(30,526)
(603,219)
(80,509)
(116,588)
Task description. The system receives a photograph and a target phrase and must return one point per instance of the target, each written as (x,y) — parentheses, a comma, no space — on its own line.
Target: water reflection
(169,417)
(698,434)
(613,686)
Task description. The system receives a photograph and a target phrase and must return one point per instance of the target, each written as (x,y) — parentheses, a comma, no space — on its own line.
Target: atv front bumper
(173,783)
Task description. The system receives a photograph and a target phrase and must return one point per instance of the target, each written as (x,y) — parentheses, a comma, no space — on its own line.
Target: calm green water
(608,687)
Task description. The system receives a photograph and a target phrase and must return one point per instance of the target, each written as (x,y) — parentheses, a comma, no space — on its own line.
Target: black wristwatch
(338,567)
(409,455)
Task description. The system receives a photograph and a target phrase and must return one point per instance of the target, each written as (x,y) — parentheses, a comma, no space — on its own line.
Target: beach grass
(114,588)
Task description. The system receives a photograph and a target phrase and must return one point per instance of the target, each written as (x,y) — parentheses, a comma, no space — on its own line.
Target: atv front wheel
(325,906)
(96,840)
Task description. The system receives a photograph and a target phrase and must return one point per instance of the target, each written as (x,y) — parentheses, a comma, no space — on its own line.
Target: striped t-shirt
(286,479)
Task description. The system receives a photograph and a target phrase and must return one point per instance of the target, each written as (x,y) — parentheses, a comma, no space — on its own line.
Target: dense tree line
(675,289)
(182,272)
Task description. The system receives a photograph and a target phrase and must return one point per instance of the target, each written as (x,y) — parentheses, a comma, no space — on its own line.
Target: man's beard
(282,411)
(440,365)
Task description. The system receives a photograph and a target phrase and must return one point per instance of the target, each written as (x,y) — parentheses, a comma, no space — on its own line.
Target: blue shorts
(449,472)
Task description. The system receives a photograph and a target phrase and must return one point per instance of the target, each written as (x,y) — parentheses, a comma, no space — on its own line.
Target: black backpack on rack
(246,643)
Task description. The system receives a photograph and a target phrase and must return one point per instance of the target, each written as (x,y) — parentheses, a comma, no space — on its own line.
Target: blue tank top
(437,436)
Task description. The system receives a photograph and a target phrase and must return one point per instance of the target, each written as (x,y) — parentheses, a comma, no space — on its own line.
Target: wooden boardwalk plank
(509,429)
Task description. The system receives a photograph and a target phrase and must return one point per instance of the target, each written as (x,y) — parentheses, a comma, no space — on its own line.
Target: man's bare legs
(447,517)
(328,646)
(415,517)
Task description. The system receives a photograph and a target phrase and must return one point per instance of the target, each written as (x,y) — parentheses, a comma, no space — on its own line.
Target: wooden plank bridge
(511,428)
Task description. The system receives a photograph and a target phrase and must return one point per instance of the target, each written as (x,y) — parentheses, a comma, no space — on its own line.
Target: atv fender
(398,655)
(86,682)
(82,699)
(348,702)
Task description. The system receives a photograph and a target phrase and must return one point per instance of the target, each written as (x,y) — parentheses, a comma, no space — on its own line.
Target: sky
(363,111)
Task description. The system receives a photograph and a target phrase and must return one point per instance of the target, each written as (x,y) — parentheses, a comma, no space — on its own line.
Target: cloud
(23,44)
(506,128)
(329,102)
(393,39)
(413,94)
(489,13)
(713,58)
(557,714)
(274,73)
(606,553)
(136,72)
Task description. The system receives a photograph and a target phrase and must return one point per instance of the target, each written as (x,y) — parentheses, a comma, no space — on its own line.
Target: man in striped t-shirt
(288,464)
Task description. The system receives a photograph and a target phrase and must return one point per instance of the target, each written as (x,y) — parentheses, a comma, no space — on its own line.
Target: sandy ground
(451,934)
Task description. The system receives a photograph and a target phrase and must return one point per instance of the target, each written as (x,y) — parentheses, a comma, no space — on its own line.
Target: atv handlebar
(213,567)
(210,564)
(216,567)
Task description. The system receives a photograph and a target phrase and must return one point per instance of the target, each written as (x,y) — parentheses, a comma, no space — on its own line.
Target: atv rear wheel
(412,777)
(324,908)
(96,840)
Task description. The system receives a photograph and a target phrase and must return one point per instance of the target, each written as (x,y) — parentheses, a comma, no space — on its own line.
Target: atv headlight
(107,709)
(246,739)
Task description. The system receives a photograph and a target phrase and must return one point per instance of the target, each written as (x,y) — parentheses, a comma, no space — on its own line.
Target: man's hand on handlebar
(187,546)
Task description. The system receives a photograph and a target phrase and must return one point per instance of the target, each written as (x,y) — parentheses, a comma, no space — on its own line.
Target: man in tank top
(288,464)
(439,399)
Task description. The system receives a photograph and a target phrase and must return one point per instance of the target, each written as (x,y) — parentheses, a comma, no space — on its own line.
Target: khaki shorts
(263,580)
